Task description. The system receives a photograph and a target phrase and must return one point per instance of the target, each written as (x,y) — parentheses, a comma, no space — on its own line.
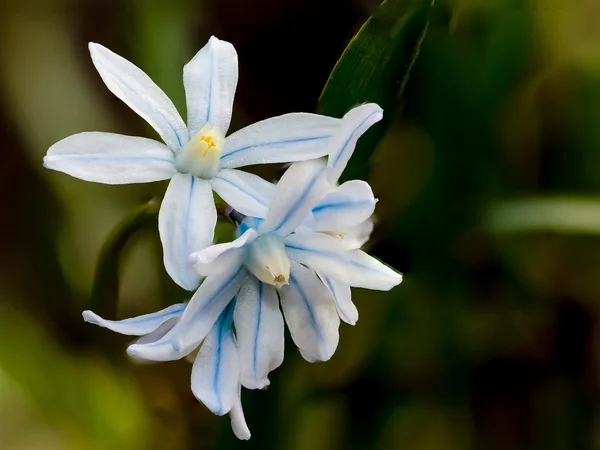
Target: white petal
(342,145)
(358,235)
(139,92)
(157,334)
(287,138)
(342,298)
(245,192)
(216,371)
(238,421)
(310,314)
(328,256)
(111,158)
(259,331)
(186,223)
(300,188)
(348,205)
(202,312)
(136,326)
(218,258)
(210,79)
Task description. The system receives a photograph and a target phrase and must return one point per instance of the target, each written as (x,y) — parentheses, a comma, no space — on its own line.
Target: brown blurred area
(488,184)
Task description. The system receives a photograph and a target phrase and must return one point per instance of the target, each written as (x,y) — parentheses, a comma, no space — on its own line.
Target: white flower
(282,256)
(198,158)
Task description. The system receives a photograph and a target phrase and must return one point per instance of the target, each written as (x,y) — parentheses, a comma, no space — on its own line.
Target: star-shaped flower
(282,257)
(197,158)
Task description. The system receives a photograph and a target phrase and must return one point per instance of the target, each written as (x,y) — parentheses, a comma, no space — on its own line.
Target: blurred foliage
(487,172)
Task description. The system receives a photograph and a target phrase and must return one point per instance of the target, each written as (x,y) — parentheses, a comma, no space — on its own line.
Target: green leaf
(105,292)
(375,67)
(569,215)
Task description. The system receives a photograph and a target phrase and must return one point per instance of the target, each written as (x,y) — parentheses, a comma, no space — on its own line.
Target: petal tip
(132,350)
(399,278)
(90,317)
(93,47)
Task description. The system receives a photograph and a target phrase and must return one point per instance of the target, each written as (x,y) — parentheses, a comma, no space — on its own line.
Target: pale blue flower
(282,255)
(197,158)
(286,255)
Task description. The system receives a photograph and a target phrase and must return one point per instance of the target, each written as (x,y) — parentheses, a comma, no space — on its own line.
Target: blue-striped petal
(259,330)
(186,223)
(137,326)
(203,310)
(300,188)
(219,257)
(245,192)
(355,123)
(111,158)
(287,138)
(310,314)
(216,370)
(343,299)
(328,256)
(347,206)
(139,92)
(210,80)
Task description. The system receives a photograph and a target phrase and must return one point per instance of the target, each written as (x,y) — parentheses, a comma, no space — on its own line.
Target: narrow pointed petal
(342,298)
(111,158)
(342,145)
(300,188)
(218,258)
(310,314)
(245,192)
(186,223)
(259,330)
(210,80)
(216,371)
(328,256)
(347,206)
(287,138)
(136,326)
(238,421)
(139,92)
(203,310)
(157,334)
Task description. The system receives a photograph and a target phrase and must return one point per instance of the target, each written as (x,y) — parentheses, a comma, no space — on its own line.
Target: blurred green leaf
(558,214)
(84,401)
(105,292)
(375,67)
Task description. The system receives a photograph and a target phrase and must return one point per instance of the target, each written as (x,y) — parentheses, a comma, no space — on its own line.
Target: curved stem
(105,291)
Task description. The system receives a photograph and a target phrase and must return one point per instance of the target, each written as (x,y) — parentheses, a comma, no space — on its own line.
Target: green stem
(105,292)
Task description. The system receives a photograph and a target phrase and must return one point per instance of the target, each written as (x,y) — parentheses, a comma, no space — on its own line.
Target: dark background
(488,183)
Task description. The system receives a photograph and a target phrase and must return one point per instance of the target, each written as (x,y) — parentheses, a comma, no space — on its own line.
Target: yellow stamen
(209,143)
(279,278)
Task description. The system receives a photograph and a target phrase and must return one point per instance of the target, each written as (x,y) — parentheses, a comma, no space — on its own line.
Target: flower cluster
(298,241)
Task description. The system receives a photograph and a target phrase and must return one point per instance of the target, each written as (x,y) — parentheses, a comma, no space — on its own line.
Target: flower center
(201,155)
(267,260)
